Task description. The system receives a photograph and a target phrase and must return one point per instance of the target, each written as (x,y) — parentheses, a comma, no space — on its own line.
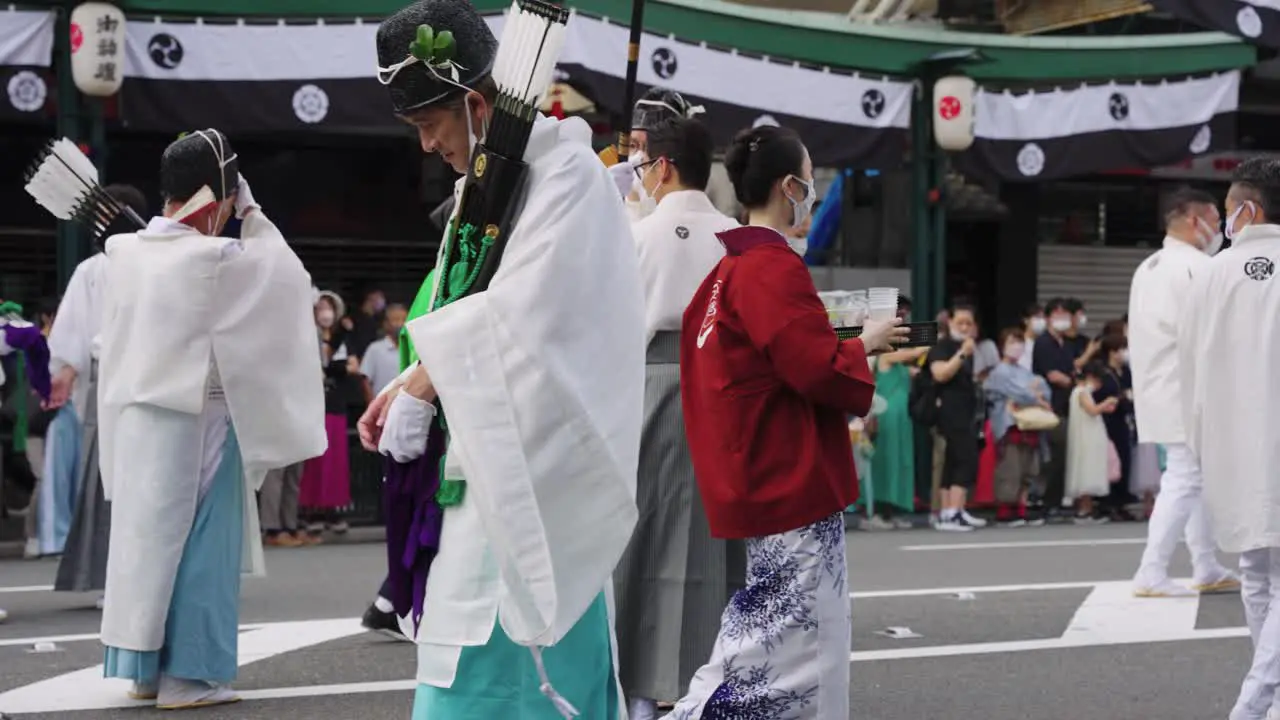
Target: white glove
(244,199)
(623,175)
(404,436)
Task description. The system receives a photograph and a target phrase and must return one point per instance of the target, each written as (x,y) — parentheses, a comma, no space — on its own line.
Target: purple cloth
(29,340)
(414,520)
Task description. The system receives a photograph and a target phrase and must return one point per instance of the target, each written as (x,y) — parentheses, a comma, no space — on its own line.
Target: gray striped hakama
(84,558)
(674,580)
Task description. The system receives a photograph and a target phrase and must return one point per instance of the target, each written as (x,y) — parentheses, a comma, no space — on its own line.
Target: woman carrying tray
(766,386)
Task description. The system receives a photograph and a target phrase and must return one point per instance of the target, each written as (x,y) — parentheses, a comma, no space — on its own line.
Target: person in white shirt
(1157,307)
(1232,421)
(674,581)
(1033,326)
(381,362)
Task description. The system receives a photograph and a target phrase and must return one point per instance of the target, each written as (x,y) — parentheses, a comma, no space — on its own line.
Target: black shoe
(382,622)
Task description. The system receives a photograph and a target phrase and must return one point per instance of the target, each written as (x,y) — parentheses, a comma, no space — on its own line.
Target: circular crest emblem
(1259,268)
(949,107)
(873,103)
(1030,160)
(165,50)
(664,63)
(1118,106)
(682,232)
(481,164)
(310,104)
(1202,140)
(27,91)
(1249,22)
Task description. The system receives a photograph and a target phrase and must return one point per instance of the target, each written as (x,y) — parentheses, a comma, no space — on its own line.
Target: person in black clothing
(1054,358)
(951,364)
(1086,349)
(1121,431)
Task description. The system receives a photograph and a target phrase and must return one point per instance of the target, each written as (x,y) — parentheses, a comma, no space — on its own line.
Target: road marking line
(924,592)
(87,690)
(306,691)
(1099,542)
(1112,611)
(26,588)
(1062,643)
(82,637)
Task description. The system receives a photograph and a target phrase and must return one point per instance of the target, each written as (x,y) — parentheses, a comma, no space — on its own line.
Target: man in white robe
(74,344)
(1229,350)
(541,379)
(1157,308)
(192,419)
(674,581)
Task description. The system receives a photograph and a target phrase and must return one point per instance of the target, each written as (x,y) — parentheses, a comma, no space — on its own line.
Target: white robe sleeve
(69,341)
(1192,341)
(541,378)
(265,346)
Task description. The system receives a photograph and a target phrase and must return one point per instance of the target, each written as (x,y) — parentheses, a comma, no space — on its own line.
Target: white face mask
(800,209)
(1124,356)
(958,336)
(1061,324)
(1210,241)
(1014,351)
(1082,320)
(1037,325)
(325,318)
(646,204)
(1231,221)
(800,245)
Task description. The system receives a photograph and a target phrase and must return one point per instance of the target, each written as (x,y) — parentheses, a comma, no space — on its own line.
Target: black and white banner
(26,53)
(1044,135)
(245,78)
(1257,21)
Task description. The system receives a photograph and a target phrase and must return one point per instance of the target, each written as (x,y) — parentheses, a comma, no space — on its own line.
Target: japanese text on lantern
(108,48)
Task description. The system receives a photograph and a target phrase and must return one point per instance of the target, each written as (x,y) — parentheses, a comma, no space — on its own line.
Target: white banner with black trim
(247,78)
(26,54)
(1256,21)
(1045,135)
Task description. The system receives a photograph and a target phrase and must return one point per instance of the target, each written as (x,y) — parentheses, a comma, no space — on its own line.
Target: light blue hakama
(499,679)
(204,612)
(59,485)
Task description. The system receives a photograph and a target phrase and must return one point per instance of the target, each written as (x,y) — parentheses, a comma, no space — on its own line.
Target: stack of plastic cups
(883,303)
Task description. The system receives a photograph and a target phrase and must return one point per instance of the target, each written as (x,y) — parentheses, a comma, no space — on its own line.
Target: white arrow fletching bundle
(65,182)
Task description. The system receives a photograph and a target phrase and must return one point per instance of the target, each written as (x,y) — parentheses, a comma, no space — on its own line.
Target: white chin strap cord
(219,153)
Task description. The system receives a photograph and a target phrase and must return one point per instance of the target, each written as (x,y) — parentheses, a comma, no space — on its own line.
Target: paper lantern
(953,100)
(97,48)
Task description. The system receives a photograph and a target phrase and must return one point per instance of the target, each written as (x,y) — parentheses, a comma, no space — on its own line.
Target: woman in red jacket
(766,388)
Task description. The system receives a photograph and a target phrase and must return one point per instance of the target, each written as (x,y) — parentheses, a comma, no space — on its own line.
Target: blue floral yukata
(783,648)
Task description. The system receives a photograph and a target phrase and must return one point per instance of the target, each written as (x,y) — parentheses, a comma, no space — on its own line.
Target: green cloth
(499,679)
(421,306)
(21,396)
(893,466)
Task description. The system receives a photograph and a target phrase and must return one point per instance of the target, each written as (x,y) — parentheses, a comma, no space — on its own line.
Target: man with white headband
(659,105)
(1232,420)
(501,553)
(1158,307)
(191,419)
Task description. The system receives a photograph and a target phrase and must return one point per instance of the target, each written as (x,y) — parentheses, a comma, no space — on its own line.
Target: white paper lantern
(97,48)
(953,101)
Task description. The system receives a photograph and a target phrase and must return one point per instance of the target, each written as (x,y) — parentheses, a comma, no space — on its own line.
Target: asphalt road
(1028,624)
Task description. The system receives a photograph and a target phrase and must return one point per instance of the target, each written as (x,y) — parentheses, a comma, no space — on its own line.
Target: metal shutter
(1099,276)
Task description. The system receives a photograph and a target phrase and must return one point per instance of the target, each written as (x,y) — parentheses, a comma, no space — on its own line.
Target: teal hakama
(201,629)
(499,679)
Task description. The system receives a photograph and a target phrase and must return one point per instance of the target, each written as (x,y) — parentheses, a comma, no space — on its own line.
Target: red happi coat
(766,388)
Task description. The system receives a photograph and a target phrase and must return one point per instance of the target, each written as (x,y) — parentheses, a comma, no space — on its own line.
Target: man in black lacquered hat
(501,554)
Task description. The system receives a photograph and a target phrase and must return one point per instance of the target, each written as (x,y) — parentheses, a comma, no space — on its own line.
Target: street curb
(12,549)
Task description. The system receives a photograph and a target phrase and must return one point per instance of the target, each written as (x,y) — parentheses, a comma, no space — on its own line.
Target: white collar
(1254,233)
